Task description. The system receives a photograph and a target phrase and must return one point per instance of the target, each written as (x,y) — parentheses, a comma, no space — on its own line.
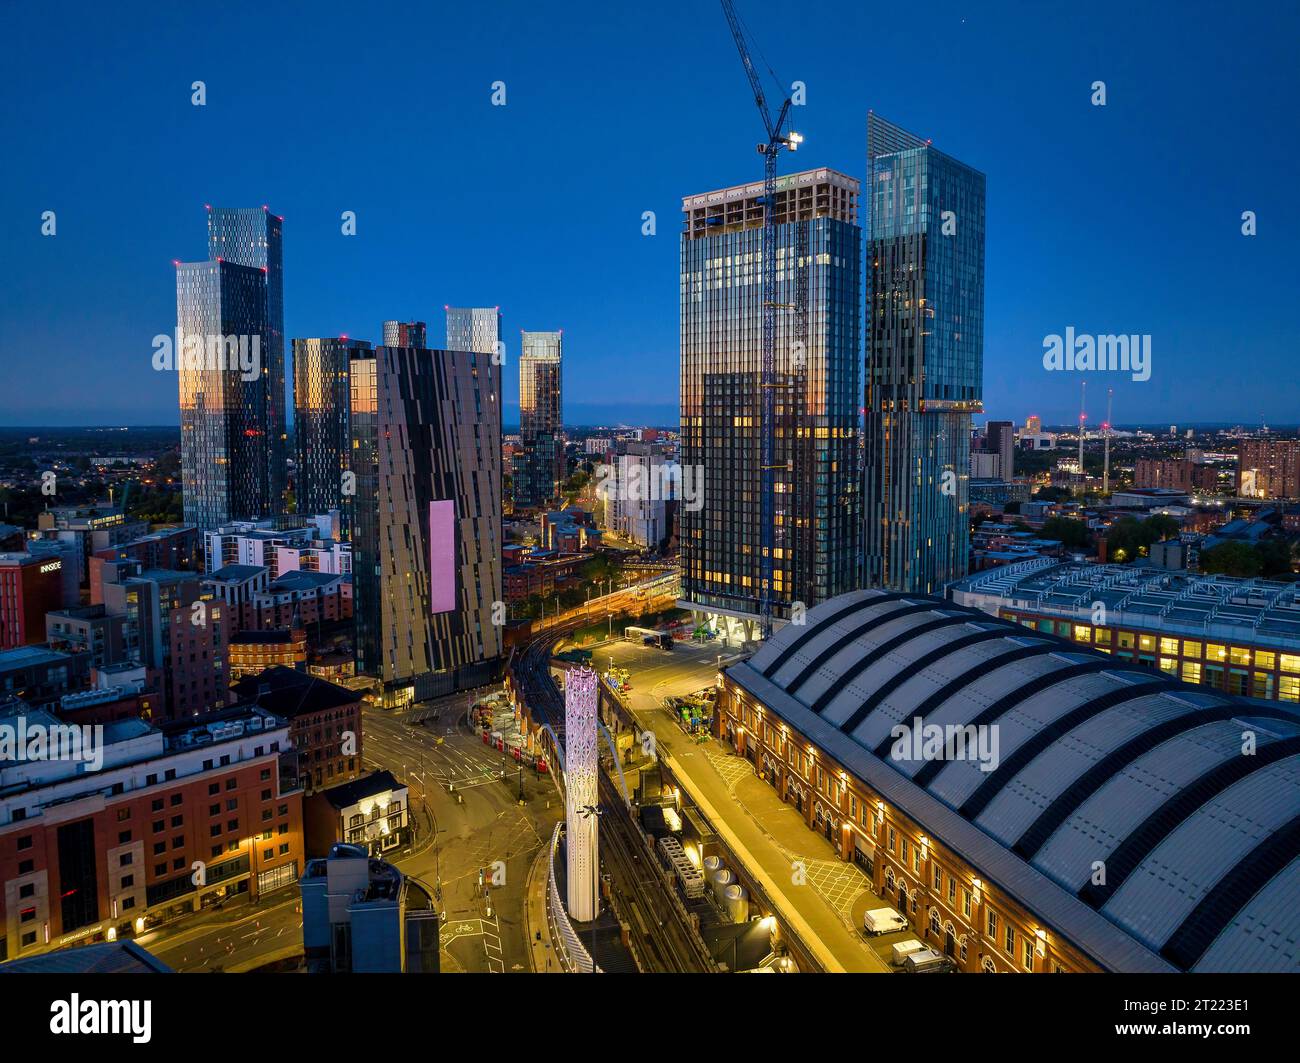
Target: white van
(883,921)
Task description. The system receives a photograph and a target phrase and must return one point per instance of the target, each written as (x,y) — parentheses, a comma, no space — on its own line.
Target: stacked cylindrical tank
(712,864)
(720,880)
(736,900)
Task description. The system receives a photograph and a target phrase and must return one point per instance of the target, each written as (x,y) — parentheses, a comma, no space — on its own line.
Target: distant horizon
(624,425)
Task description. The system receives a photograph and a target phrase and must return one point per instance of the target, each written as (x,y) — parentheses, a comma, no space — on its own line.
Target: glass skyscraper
(221,318)
(321,407)
(817,534)
(538,473)
(925,358)
(476,328)
(253,237)
(404,334)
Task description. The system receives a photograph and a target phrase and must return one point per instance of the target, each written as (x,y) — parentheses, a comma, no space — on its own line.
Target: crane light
(795,140)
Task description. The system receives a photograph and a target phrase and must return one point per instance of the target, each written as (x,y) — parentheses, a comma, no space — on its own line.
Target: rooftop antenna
(1105,428)
(1083,417)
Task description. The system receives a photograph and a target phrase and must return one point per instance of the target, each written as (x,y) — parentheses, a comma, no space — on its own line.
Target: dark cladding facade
(817,538)
(426,538)
(322,401)
(925,353)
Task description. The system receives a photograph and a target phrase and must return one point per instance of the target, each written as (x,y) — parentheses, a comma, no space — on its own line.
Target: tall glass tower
(476,328)
(221,319)
(925,358)
(817,534)
(253,237)
(321,418)
(539,471)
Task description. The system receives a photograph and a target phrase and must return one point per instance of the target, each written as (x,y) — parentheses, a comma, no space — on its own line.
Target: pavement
(819,896)
(541,950)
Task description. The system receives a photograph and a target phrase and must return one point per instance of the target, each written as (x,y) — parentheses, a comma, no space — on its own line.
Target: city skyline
(667,558)
(1131,237)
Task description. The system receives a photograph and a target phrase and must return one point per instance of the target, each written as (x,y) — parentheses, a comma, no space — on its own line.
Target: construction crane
(778,137)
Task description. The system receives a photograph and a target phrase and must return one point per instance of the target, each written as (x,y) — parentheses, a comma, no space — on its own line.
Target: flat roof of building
(290,693)
(235,573)
(1227,607)
(300,579)
(1098,760)
(23,656)
(749,189)
(107,957)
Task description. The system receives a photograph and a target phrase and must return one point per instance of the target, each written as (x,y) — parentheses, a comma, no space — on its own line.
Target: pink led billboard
(442,556)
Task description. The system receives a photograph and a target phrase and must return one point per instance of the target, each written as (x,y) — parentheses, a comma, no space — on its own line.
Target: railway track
(666,936)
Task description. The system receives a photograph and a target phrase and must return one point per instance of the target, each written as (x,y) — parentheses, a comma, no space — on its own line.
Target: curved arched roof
(1096,760)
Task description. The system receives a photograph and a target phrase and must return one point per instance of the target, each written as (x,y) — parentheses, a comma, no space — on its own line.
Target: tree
(1276,558)
(1231,559)
(1069,531)
(1131,538)
(1161,526)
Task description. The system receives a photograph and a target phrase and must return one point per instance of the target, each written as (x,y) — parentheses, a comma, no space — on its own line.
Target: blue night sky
(1124,218)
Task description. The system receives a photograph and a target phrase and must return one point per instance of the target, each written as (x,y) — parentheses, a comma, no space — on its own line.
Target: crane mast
(769,149)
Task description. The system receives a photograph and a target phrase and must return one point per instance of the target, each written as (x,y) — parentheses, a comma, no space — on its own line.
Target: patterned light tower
(580,780)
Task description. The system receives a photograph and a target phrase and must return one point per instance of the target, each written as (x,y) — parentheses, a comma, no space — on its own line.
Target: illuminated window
(1169,664)
(1102,636)
(1215,652)
(1288,688)
(1264,659)
(1192,649)
(1082,633)
(1290,662)
(1126,640)
(1147,643)
(1240,655)
(1169,647)
(1191,672)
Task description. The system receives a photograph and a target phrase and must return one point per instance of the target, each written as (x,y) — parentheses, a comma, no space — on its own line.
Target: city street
(467,817)
(458,793)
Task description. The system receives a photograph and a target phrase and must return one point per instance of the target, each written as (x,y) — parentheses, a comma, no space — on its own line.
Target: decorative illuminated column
(580,780)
